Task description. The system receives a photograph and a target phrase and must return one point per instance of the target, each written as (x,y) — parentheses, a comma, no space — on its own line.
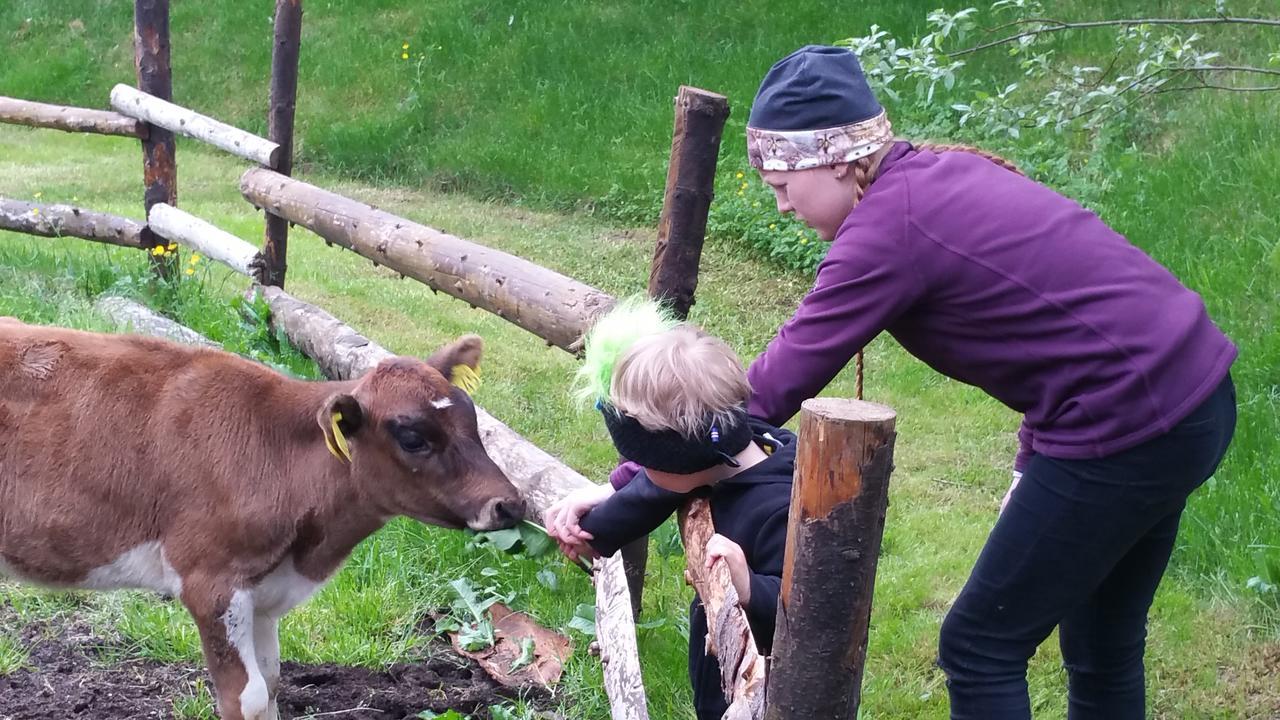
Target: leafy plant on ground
(468,615)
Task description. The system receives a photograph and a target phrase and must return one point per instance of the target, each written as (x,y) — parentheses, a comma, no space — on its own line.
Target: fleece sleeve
(867,280)
(629,514)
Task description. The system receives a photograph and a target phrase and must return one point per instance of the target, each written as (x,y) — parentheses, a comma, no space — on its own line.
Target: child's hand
(563,518)
(720,547)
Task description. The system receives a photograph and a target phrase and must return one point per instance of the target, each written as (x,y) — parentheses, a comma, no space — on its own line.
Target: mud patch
(71,673)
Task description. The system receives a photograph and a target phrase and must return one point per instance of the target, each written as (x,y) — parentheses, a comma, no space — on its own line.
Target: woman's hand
(720,547)
(1009,493)
(564,516)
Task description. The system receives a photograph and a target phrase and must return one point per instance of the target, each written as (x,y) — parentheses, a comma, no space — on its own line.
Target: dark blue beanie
(813,88)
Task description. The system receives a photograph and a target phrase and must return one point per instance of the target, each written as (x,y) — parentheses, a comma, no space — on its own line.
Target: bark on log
(138,318)
(695,145)
(155,77)
(175,118)
(344,353)
(729,638)
(69,221)
(186,229)
(284,95)
(838,504)
(69,119)
(556,308)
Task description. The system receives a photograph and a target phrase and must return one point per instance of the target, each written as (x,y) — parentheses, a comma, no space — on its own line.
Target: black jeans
(1081,545)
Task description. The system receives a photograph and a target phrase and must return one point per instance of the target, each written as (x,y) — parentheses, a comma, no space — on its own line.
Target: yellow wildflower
(191,271)
(404,56)
(39,195)
(173,246)
(157,250)
(773,226)
(405,46)
(739,193)
(739,176)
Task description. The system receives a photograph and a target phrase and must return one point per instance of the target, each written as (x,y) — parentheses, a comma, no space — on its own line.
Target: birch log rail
(556,308)
(69,119)
(344,353)
(69,221)
(182,227)
(175,118)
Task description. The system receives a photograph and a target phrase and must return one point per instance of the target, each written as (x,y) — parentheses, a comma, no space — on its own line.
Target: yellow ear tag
(343,451)
(466,377)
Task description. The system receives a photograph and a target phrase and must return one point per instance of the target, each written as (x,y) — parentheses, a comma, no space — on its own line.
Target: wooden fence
(840,493)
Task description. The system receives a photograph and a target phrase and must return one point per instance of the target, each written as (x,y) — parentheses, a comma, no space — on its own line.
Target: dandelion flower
(773,226)
(739,176)
(405,46)
(39,195)
(157,250)
(191,271)
(404,56)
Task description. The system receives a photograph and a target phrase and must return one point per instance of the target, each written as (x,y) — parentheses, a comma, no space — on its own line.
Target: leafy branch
(1045,26)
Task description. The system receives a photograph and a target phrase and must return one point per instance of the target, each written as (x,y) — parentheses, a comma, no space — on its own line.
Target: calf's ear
(459,362)
(339,419)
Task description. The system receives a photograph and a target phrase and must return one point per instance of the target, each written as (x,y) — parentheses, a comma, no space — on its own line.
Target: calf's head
(411,437)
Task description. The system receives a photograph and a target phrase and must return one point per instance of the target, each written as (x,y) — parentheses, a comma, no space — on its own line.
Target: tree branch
(1059,25)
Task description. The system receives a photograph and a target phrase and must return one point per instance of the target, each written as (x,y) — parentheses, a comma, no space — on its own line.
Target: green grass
(1208,651)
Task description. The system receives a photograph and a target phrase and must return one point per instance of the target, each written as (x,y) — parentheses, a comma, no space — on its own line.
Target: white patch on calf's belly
(283,589)
(145,566)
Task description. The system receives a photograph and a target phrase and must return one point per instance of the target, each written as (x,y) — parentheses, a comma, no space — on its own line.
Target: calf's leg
(225,619)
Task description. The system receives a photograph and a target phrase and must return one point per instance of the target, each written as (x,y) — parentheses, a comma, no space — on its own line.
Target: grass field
(508,106)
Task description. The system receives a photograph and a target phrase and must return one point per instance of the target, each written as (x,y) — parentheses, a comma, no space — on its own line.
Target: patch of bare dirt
(71,673)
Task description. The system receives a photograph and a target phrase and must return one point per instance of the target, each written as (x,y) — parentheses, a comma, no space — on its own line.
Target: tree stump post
(284,96)
(155,77)
(838,504)
(682,228)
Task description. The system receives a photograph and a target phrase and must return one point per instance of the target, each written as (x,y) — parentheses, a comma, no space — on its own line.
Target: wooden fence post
(155,77)
(673,275)
(838,504)
(284,95)
(691,174)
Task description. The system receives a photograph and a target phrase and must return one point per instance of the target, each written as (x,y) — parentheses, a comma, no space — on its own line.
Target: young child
(674,401)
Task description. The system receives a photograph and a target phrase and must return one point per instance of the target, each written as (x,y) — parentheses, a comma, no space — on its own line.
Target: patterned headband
(802,149)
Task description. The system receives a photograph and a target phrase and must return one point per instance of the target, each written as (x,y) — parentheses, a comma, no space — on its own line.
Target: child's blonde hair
(680,380)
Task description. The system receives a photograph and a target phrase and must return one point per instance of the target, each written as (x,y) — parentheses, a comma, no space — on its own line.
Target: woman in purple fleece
(997,281)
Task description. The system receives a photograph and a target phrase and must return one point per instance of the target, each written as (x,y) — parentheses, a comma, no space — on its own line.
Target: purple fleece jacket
(997,281)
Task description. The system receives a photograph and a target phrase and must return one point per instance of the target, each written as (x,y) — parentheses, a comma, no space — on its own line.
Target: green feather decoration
(608,340)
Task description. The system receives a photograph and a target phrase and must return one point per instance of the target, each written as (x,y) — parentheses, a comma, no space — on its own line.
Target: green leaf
(526,655)
(548,578)
(584,620)
(537,542)
(502,539)
(446,715)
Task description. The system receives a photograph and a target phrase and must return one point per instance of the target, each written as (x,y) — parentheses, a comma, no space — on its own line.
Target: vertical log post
(673,275)
(691,174)
(838,505)
(284,95)
(155,76)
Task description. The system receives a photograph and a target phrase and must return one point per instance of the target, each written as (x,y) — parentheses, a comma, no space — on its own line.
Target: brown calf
(128,461)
